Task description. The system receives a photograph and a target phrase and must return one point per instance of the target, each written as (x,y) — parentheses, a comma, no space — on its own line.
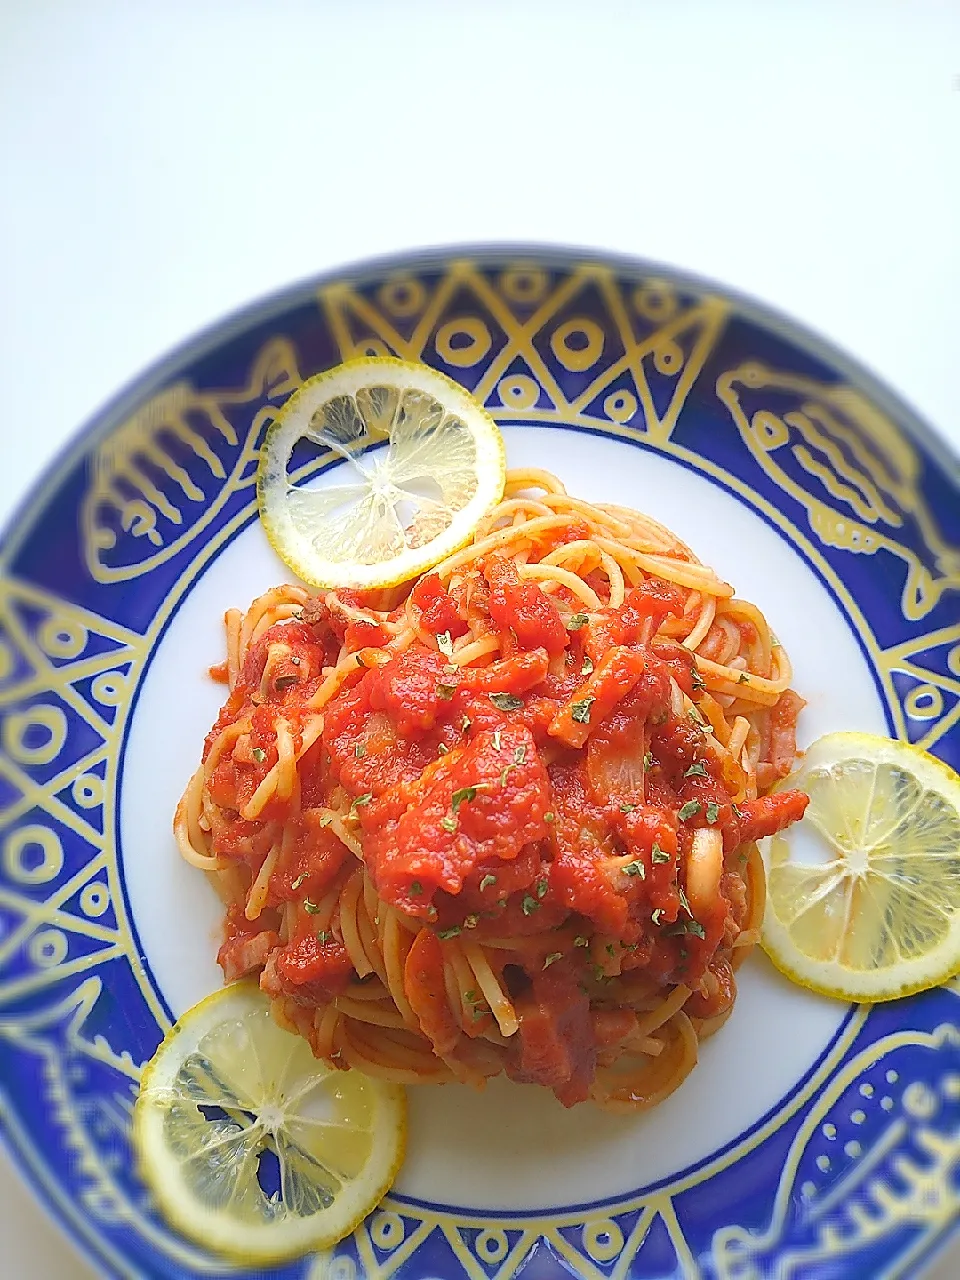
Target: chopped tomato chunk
(307,970)
(483,803)
(521,606)
(438,609)
(618,671)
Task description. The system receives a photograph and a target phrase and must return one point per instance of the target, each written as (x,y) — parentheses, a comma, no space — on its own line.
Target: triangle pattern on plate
(925,675)
(475,325)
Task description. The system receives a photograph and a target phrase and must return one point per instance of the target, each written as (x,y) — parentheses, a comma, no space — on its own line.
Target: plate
(813,1139)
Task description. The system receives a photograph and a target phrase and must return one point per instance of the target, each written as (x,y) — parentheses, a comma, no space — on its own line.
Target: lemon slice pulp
(251,1146)
(863,895)
(398,509)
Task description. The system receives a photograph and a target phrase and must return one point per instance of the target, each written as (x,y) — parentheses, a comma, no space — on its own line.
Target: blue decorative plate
(813,1140)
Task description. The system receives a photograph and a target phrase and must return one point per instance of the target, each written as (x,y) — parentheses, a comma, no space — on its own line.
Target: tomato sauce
(551,795)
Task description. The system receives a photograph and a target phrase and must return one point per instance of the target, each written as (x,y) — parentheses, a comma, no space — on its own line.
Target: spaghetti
(502,819)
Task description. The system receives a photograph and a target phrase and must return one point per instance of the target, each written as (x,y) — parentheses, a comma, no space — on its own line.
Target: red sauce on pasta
(482,827)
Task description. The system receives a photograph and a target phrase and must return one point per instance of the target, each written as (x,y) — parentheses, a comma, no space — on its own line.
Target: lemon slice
(400,508)
(251,1146)
(863,895)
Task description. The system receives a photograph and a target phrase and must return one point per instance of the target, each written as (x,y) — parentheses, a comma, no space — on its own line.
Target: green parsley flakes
(530,905)
(659,855)
(689,810)
(446,934)
(684,927)
(461,796)
(698,770)
(713,812)
(259,754)
(694,715)
(446,691)
(552,958)
(360,801)
(636,868)
(449,823)
(445,643)
(506,701)
(416,889)
(487,881)
(580,711)
(587,667)
(577,621)
(311,908)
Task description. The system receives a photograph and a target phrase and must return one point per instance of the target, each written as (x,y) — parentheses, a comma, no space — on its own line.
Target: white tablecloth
(165,161)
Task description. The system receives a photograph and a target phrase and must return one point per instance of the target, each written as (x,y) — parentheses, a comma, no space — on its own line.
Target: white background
(164,161)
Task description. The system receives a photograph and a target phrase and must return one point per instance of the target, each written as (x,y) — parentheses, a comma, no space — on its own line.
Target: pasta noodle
(503,819)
